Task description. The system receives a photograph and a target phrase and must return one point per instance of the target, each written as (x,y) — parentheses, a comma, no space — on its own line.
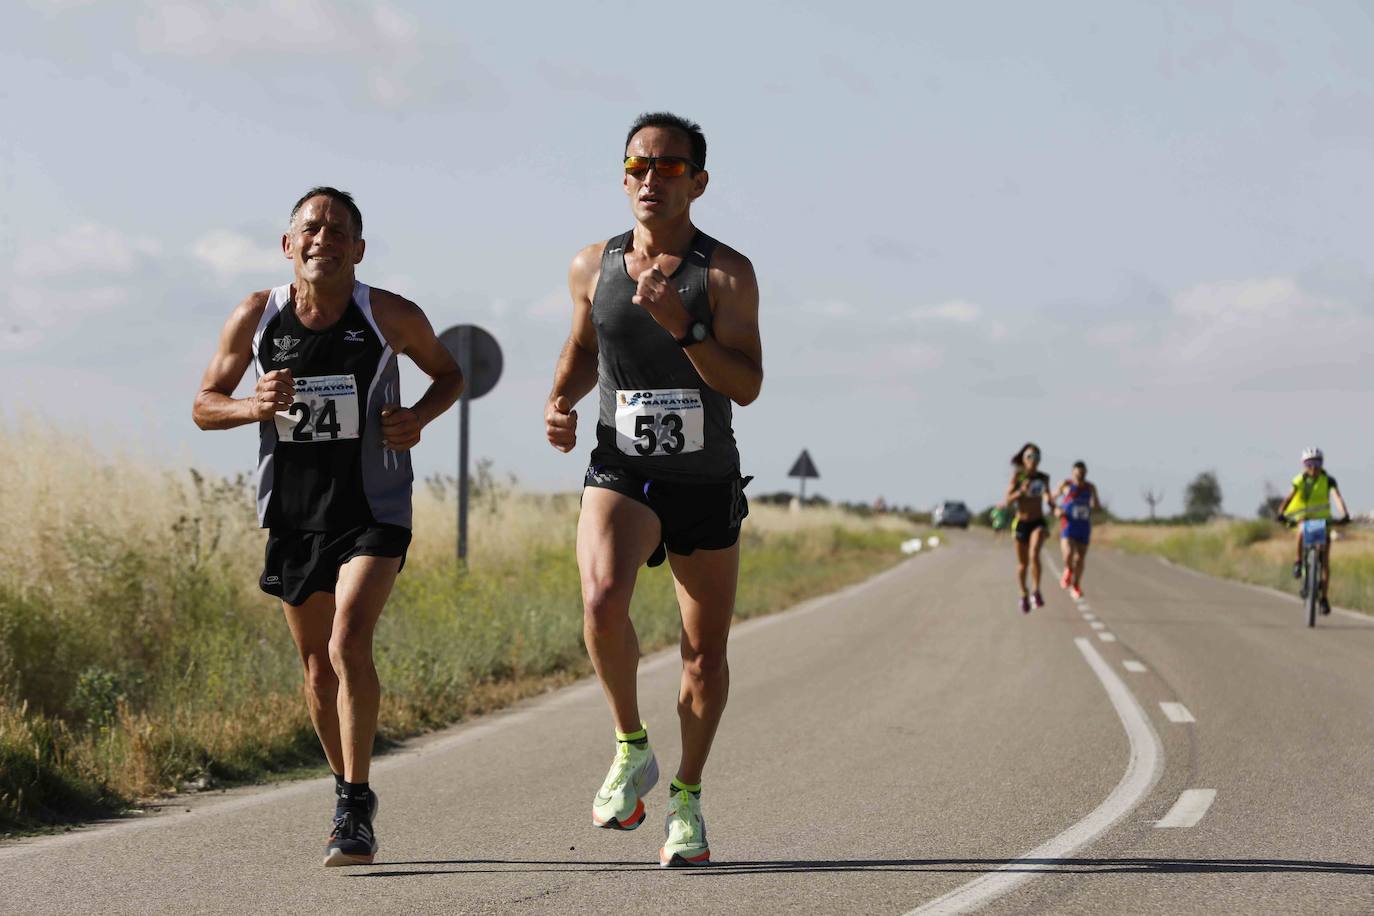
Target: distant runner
(665,327)
(1027,493)
(334,478)
(1311,497)
(1075,501)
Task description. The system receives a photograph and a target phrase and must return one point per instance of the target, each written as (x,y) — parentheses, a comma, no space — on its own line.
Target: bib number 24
(325,410)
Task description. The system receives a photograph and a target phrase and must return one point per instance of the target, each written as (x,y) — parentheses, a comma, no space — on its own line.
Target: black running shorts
(300,563)
(692,516)
(1024,527)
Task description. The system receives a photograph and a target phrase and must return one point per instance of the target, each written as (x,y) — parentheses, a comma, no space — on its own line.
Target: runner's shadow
(1174,866)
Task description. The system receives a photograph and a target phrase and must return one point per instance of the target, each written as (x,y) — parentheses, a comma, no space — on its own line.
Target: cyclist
(1027,492)
(1311,497)
(1075,501)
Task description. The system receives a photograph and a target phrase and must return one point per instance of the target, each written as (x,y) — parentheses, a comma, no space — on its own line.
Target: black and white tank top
(657,415)
(321,463)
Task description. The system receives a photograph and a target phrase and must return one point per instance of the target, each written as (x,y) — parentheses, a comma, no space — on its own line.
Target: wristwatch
(696,333)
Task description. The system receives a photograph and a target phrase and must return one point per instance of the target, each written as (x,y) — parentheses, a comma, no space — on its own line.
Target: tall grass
(1254,551)
(137,655)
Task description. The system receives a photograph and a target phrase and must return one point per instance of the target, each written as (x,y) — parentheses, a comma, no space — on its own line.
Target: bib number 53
(661,422)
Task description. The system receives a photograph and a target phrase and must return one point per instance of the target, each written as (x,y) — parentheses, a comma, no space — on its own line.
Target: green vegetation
(137,655)
(1254,551)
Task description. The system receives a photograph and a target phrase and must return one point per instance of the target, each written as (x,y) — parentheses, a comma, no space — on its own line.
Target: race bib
(325,410)
(665,421)
(1080,512)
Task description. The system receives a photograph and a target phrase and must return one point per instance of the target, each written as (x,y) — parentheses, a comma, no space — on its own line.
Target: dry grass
(1253,551)
(137,654)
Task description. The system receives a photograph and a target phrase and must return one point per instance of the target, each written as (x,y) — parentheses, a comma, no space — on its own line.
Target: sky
(1136,233)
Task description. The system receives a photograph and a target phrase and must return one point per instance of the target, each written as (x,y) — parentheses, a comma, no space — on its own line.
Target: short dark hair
(1080,465)
(335,194)
(671,121)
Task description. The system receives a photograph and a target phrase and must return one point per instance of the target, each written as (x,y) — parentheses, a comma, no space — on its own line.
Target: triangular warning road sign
(804,467)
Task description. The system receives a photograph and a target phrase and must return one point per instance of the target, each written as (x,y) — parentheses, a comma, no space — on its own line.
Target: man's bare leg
(705,583)
(364,585)
(311,625)
(615,536)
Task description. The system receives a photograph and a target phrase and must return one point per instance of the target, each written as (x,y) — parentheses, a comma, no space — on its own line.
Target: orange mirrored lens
(669,167)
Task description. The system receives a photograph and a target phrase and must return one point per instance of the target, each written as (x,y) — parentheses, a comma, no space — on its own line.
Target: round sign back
(481,363)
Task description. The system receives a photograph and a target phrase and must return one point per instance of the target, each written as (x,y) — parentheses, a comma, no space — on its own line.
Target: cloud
(398,64)
(87,248)
(31,312)
(228,254)
(956,310)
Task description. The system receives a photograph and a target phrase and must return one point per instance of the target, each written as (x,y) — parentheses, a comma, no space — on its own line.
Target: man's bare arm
(409,332)
(215,406)
(575,373)
(731,360)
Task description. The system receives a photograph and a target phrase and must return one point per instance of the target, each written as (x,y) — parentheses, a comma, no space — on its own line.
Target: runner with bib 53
(665,327)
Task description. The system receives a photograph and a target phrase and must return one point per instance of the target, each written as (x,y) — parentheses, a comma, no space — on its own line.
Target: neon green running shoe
(619,805)
(686,829)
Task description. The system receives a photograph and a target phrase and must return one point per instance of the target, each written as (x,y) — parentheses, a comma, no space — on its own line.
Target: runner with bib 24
(665,327)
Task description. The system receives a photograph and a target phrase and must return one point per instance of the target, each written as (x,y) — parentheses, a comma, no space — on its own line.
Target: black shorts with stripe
(691,516)
(300,563)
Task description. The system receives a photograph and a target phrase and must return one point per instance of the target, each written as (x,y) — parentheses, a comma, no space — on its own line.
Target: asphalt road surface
(1173,744)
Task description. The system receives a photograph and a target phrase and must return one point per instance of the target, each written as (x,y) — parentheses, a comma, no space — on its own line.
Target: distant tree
(1202,499)
(1272,500)
(1152,499)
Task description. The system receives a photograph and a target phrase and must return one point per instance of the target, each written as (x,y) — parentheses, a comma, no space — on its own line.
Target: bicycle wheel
(1314,584)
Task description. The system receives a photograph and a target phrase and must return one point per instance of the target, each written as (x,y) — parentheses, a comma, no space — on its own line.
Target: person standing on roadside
(665,328)
(334,475)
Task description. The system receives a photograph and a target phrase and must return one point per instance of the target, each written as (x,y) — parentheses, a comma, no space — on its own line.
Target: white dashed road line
(1189,809)
(1134,666)
(1177,712)
(1098,625)
(1106,637)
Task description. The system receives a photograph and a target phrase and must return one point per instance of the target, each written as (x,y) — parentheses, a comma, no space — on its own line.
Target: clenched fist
(275,391)
(560,424)
(656,294)
(400,428)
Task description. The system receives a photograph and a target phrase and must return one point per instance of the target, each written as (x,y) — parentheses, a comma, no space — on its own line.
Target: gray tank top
(658,417)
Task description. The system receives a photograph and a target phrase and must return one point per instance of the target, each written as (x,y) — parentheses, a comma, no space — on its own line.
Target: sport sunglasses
(664,166)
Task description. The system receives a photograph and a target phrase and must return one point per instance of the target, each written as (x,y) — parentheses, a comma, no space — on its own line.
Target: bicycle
(1316,535)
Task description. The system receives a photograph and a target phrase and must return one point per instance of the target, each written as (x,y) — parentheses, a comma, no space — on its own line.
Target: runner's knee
(350,652)
(320,677)
(704,664)
(605,605)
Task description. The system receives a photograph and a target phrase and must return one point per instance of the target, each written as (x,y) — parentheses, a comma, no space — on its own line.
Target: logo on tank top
(354,336)
(284,347)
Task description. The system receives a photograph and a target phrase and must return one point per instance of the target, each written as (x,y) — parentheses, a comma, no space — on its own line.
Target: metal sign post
(804,468)
(479,356)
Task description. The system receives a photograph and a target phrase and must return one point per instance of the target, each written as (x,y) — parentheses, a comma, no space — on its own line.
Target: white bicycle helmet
(1312,453)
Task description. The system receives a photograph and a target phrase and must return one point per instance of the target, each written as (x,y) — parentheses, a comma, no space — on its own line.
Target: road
(912,743)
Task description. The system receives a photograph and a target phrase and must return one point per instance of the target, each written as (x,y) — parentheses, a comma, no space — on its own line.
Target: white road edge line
(1143,767)
(1134,666)
(1189,809)
(1106,637)
(1097,625)
(1344,612)
(1087,616)
(1177,712)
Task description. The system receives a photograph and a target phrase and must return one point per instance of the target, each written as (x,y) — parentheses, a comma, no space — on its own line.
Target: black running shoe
(352,841)
(1326,606)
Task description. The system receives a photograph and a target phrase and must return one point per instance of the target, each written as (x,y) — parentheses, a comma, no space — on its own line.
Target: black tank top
(321,463)
(657,416)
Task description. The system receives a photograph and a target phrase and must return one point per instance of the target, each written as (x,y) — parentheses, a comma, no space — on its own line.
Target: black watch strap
(696,333)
